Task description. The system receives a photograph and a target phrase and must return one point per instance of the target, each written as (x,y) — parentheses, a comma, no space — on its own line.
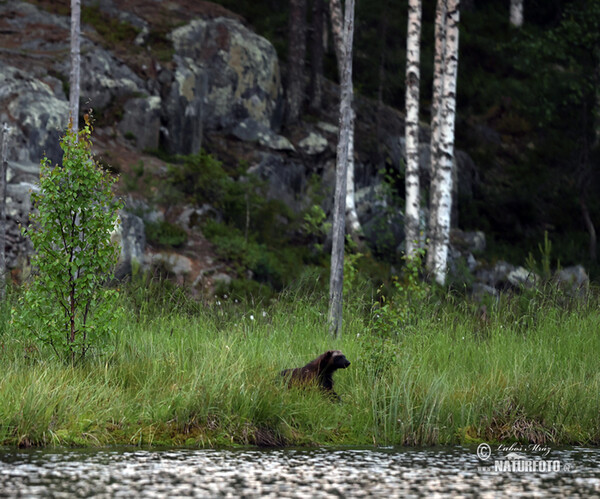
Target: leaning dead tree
(4,167)
(336,281)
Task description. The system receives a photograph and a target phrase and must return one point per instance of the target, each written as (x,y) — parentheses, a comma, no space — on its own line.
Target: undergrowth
(185,373)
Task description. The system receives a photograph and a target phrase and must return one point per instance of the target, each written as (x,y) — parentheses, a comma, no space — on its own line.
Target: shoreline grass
(207,376)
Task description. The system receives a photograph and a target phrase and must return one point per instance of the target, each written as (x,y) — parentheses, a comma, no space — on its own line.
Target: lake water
(387,472)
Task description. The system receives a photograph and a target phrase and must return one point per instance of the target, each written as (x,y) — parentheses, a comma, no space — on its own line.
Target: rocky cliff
(177,77)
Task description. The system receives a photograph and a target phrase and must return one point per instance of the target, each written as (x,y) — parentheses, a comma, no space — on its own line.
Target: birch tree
(296,59)
(5,136)
(516,13)
(412,127)
(438,83)
(442,148)
(345,122)
(74,79)
(337,28)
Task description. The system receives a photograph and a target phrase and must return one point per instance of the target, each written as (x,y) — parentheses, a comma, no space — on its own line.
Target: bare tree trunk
(296,60)
(5,136)
(436,106)
(413,201)
(516,13)
(352,220)
(337,28)
(445,153)
(75,63)
(340,48)
(317,53)
(336,281)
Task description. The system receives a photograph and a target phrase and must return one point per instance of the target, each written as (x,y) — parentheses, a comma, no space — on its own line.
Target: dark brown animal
(318,371)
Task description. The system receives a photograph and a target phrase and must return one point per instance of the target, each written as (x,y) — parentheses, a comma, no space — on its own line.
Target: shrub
(67,305)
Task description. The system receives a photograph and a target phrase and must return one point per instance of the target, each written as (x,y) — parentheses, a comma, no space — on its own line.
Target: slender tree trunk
(74,86)
(352,220)
(337,28)
(296,60)
(338,37)
(445,153)
(413,201)
(5,136)
(436,106)
(336,281)
(317,53)
(516,13)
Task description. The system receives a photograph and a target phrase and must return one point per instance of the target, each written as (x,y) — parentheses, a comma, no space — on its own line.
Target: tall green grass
(184,373)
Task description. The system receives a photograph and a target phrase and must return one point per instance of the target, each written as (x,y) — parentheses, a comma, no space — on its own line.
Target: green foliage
(544,269)
(111,29)
(204,375)
(397,314)
(68,306)
(163,233)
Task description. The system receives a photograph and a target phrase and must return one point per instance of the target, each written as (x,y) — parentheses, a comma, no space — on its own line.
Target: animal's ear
(325,358)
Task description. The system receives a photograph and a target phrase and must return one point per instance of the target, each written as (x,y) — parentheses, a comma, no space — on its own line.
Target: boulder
(250,130)
(573,280)
(38,116)
(313,144)
(183,109)
(241,71)
(130,236)
(141,122)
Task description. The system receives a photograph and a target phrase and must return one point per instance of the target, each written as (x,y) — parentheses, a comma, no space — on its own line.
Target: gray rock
(468,242)
(192,217)
(131,238)
(142,119)
(104,78)
(286,179)
(522,277)
(179,265)
(39,116)
(184,108)
(481,290)
(313,144)
(573,279)
(242,71)
(249,130)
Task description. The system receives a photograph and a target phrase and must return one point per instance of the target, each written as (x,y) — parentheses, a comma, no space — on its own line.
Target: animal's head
(334,359)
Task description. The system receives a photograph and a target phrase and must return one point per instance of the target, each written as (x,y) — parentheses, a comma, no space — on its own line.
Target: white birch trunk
(411,218)
(443,171)
(336,280)
(351,215)
(516,13)
(337,29)
(436,106)
(4,167)
(75,64)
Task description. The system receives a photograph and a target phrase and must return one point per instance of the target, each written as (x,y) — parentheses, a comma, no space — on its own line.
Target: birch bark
(442,152)
(411,224)
(436,106)
(516,13)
